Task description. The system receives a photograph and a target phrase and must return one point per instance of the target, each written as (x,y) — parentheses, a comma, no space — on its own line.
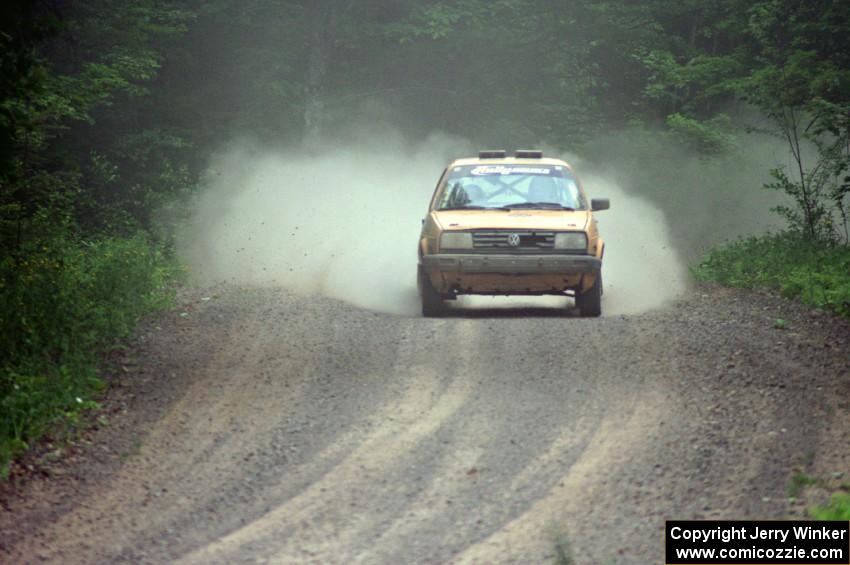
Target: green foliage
(61,305)
(799,482)
(707,137)
(801,83)
(798,267)
(810,215)
(788,60)
(80,184)
(72,123)
(837,509)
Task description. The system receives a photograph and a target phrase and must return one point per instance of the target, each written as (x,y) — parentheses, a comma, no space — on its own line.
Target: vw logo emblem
(513,240)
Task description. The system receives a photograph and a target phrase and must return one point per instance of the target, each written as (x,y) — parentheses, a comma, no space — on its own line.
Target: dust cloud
(344,223)
(642,269)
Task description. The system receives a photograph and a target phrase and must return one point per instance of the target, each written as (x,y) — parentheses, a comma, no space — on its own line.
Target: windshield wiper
(540,205)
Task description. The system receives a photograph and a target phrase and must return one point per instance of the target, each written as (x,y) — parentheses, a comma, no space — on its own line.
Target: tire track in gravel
(321,433)
(183,454)
(308,524)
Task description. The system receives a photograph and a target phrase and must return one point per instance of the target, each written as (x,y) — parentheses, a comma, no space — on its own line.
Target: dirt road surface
(268,427)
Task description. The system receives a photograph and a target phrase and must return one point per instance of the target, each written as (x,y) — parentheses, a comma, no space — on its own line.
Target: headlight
(573,241)
(456,240)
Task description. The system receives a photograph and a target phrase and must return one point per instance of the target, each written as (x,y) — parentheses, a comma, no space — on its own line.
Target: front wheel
(432,302)
(589,302)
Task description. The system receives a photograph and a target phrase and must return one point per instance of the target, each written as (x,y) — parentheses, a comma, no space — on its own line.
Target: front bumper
(511,264)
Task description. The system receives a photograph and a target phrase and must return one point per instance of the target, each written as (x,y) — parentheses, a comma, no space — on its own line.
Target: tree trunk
(322,19)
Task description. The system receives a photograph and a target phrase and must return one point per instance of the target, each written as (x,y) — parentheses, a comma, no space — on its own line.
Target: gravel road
(269,427)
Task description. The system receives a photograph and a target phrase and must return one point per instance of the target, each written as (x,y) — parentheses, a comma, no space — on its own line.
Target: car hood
(514,220)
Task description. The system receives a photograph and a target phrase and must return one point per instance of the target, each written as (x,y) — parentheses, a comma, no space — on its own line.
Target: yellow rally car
(518,225)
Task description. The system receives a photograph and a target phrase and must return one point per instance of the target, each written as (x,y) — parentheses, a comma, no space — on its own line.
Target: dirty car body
(520,225)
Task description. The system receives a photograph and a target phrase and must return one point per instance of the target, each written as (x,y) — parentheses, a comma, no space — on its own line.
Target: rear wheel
(432,302)
(589,302)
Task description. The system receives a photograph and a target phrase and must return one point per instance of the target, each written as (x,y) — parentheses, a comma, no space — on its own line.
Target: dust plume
(344,223)
(642,269)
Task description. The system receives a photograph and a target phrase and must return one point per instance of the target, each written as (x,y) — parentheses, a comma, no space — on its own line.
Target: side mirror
(597,204)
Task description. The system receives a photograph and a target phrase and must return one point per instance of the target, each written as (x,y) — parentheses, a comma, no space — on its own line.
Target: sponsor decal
(508,170)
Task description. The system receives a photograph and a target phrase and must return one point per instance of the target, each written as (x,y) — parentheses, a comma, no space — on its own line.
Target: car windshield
(485,187)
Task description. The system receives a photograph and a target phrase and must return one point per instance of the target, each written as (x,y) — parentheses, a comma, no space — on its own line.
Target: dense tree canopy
(111,108)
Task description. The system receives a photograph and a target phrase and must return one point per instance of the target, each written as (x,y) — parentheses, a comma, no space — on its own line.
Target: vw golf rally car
(520,225)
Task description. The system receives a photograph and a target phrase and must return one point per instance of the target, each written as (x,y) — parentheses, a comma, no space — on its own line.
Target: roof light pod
(492,154)
(528,154)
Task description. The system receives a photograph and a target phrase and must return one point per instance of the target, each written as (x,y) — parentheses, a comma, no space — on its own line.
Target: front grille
(501,239)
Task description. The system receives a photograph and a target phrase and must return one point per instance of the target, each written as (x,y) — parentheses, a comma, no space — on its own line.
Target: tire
(432,302)
(589,302)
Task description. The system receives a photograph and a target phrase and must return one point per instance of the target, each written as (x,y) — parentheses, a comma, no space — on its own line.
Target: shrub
(61,306)
(816,273)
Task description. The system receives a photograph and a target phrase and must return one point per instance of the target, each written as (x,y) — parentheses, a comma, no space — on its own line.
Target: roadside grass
(838,508)
(799,482)
(61,306)
(817,274)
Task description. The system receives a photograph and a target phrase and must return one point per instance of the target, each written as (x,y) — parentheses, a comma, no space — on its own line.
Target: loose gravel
(254,425)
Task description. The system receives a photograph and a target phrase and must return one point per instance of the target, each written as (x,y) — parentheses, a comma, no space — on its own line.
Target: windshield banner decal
(508,170)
